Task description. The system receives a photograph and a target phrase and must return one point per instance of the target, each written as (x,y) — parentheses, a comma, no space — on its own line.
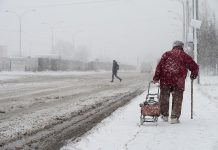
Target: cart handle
(149,85)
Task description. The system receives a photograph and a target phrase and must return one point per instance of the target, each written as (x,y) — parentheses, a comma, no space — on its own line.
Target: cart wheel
(141,120)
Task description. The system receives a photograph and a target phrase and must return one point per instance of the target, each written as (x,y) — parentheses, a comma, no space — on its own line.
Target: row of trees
(208,40)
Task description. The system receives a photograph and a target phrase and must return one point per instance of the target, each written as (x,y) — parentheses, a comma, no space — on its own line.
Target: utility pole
(184,38)
(187,23)
(183,14)
(196,17)
(197,55)
(20,17)
(193,30)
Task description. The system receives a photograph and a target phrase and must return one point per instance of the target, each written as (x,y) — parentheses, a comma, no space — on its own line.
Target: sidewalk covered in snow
(121,131)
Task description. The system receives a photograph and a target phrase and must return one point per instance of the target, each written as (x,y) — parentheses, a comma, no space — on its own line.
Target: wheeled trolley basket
(150,108)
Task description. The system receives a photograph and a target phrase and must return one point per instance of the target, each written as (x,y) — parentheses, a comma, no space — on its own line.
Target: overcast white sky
(118,29)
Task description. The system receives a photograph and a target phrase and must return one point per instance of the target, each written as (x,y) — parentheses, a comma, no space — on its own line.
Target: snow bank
(4,75)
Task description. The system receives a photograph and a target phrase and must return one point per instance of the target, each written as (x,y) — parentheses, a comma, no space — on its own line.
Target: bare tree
(208,40)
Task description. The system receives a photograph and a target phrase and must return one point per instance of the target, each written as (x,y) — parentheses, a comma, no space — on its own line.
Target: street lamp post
(20,16)
(196,36)
(196,24)
(52,27)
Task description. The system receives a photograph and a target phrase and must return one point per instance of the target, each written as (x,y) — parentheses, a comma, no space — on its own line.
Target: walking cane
(191,99)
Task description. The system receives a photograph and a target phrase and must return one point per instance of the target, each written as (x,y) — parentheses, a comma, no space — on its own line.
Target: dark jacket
(172,69)
(115,66)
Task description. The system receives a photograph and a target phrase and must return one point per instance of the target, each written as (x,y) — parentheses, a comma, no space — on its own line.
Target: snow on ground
(31,104)
(5,75)
(209,88)
(121,131)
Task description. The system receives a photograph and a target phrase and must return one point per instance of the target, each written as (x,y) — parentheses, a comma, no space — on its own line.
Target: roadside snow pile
(121,131)
(7,77)
(11,75)
(209,88)
(17,74)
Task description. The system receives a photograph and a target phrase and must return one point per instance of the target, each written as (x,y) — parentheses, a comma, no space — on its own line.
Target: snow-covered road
(43,109)
(121,131)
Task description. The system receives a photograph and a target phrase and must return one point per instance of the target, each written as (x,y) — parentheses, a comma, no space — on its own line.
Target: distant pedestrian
(172,72)
(115,68)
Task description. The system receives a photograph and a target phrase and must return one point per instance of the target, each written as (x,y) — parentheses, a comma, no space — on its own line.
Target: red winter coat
(172,69)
